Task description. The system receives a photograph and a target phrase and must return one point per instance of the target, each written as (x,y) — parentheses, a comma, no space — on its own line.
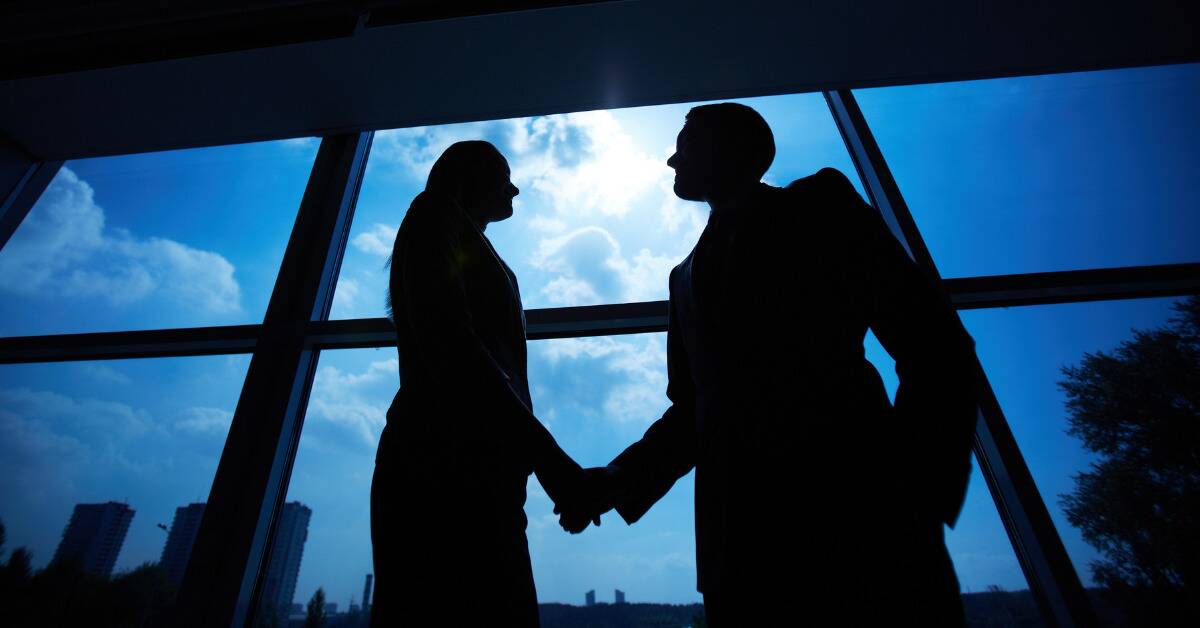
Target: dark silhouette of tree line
(63,594)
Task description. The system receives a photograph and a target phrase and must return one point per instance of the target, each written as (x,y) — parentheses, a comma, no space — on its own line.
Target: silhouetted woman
(447,501)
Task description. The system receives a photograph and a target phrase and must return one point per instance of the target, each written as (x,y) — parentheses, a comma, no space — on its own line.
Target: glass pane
(329,497)
(173,239)
(596,220)
(1116,463)
(1046,173)
(598,395)
(105,467)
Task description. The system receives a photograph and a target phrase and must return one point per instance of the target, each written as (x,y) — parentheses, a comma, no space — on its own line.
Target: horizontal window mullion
(598,320)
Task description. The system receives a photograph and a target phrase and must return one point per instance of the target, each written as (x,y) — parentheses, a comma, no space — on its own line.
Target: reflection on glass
(596,220)
(1101,398)
(1044,173)
(173,239)
(104,471)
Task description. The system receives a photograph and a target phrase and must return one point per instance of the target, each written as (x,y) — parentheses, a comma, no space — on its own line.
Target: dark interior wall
(571,58)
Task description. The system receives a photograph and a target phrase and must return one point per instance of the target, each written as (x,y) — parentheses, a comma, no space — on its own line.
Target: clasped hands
(585,497)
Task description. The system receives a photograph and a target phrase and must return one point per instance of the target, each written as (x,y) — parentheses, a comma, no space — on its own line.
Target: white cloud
(63,249)
(41,421)
(102,373)
(111,417)
(205,420)
(356,402)
(637,389)
(345,296)
(546,224)
(377,240)
(591,269)
(415,149)
(582,162)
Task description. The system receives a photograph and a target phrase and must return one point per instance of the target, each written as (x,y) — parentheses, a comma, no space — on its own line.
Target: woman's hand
(595,496)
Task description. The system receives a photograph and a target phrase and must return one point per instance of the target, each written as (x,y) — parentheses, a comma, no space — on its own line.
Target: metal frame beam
(1039,549)
(222,583)
(966,293)
(24,179)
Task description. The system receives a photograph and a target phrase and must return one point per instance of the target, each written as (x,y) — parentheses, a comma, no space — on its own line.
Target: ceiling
(85,79)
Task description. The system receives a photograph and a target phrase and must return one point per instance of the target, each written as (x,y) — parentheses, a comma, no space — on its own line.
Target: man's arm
(913,320)
(647,469)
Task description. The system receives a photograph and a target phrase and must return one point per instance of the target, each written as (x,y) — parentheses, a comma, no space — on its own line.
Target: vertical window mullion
(220,587)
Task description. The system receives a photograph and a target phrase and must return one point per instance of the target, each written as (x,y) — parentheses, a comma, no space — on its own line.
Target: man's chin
(687,193)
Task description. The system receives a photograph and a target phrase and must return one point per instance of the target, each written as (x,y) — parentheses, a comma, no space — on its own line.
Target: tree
(316,610)
(1138,409)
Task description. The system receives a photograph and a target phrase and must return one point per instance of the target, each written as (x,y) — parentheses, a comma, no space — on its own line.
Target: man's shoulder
(825,180)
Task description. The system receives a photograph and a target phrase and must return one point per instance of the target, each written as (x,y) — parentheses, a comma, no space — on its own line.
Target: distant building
(295,609)
(589,598)
(366,599)
(618,596)
(94,536)
(180,539)
(283,567)
(331,608)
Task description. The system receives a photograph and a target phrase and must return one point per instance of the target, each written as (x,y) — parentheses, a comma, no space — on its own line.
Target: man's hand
(595,497)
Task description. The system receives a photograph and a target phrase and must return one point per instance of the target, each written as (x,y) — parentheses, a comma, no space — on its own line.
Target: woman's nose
(513,190)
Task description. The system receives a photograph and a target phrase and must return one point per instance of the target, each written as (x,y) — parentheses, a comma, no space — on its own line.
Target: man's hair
(738,131)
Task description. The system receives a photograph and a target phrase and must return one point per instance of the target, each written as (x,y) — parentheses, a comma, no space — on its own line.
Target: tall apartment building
(94,536)
(283,567)
(180,539)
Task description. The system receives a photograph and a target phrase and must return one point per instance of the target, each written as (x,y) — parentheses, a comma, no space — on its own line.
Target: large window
(1021,175)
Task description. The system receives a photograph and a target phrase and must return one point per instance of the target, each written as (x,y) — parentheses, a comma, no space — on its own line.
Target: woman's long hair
(458,175)
(458,172)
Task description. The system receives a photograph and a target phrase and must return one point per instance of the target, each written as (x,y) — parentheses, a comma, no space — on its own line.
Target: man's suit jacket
(773,402)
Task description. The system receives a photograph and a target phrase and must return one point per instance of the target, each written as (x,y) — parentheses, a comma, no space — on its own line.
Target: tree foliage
(1138,409)
(316,610)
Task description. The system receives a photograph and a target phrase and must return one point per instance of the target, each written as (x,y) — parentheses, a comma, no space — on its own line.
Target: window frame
(223,586)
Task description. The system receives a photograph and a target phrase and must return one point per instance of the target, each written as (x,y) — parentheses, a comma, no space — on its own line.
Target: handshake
(584,495)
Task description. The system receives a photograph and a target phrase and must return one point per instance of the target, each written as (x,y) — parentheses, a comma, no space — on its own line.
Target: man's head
(476,175)
(722,147)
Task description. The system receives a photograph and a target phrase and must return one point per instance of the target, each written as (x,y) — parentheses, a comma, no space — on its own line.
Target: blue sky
(1014,175)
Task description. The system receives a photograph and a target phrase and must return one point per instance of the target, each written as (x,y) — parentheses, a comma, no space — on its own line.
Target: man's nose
(513,190)
(671,161)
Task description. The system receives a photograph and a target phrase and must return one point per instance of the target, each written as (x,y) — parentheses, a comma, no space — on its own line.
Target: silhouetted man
(816,499)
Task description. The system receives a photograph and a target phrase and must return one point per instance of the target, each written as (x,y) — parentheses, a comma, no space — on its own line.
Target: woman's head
(475,175)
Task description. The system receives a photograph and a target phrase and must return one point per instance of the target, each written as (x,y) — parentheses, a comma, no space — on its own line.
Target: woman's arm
(429,265)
